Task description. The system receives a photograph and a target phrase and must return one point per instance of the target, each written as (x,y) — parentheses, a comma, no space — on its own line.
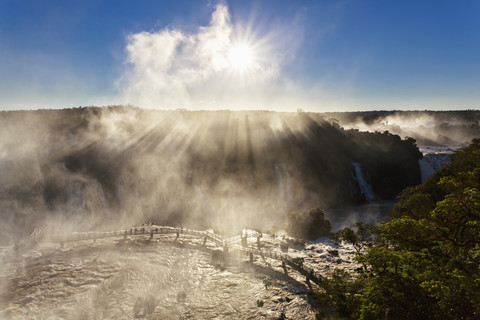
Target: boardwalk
(229,244)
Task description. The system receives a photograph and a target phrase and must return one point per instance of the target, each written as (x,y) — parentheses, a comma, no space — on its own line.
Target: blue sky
(321,55)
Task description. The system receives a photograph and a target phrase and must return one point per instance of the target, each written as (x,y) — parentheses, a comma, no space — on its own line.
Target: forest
(423,263)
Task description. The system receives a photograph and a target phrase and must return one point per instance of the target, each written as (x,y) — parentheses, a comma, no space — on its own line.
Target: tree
(424,263)
(309,225)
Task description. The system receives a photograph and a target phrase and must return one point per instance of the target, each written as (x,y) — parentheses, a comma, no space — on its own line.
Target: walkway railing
(228,243)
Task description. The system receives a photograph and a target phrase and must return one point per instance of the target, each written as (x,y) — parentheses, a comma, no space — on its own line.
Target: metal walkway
(229,244)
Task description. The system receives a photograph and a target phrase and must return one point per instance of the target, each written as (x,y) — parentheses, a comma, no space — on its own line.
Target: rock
(333,252)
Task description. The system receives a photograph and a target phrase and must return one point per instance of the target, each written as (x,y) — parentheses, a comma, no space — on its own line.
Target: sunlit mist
(221,65)
(234,159)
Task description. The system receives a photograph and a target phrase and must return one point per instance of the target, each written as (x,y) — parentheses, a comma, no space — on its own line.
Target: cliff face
(224,169)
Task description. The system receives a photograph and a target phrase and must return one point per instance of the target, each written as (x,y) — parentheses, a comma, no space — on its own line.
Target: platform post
(284,266)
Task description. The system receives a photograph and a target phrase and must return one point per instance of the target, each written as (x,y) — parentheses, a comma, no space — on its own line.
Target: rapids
(158,279)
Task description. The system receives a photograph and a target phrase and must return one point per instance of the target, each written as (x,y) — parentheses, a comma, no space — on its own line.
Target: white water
(284,186)
(434,159)
(361,177)
(206,206)
(106,278)
(372,213)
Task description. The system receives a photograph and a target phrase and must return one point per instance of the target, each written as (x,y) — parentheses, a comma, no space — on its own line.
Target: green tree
(424,263)
(309,225)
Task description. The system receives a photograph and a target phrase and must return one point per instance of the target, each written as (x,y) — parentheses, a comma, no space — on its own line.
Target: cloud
(172,69)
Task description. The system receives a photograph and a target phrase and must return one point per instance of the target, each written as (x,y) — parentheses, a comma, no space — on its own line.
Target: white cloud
(172,69)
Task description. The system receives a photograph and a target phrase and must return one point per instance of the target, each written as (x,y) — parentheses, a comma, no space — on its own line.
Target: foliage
(309,225)
(424,263)
(339,296)
(361,239)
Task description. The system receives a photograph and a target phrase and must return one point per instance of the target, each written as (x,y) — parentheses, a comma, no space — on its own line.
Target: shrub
(309,225)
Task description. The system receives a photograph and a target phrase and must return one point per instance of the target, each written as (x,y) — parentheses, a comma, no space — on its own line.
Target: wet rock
(333,252)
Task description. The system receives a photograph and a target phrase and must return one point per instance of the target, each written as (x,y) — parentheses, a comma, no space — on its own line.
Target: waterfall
(284,186)
(281,190)
(431,163)
(74,198)
(288,195)
(98,197)
(361,178)
(206,206)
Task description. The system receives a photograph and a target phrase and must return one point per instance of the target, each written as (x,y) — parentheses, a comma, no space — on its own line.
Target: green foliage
(360,239)
(309,225)
(339,296)
(424,263)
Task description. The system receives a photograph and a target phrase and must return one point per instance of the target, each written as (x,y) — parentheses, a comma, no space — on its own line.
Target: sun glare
(241,57)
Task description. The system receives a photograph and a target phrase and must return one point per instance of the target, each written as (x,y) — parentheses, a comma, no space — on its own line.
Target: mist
(172,68)
(428,128)
(102,168)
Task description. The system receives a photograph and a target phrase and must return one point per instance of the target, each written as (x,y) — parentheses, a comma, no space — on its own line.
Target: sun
(241,57)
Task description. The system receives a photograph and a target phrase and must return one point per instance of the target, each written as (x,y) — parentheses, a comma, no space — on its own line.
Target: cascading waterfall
(284,186)
(288,195)
(431,163)
(83,197)
(361,178)
(99,197)
(74,197)
(205,202)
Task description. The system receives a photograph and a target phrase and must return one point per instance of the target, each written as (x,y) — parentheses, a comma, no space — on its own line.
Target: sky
(317,55)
